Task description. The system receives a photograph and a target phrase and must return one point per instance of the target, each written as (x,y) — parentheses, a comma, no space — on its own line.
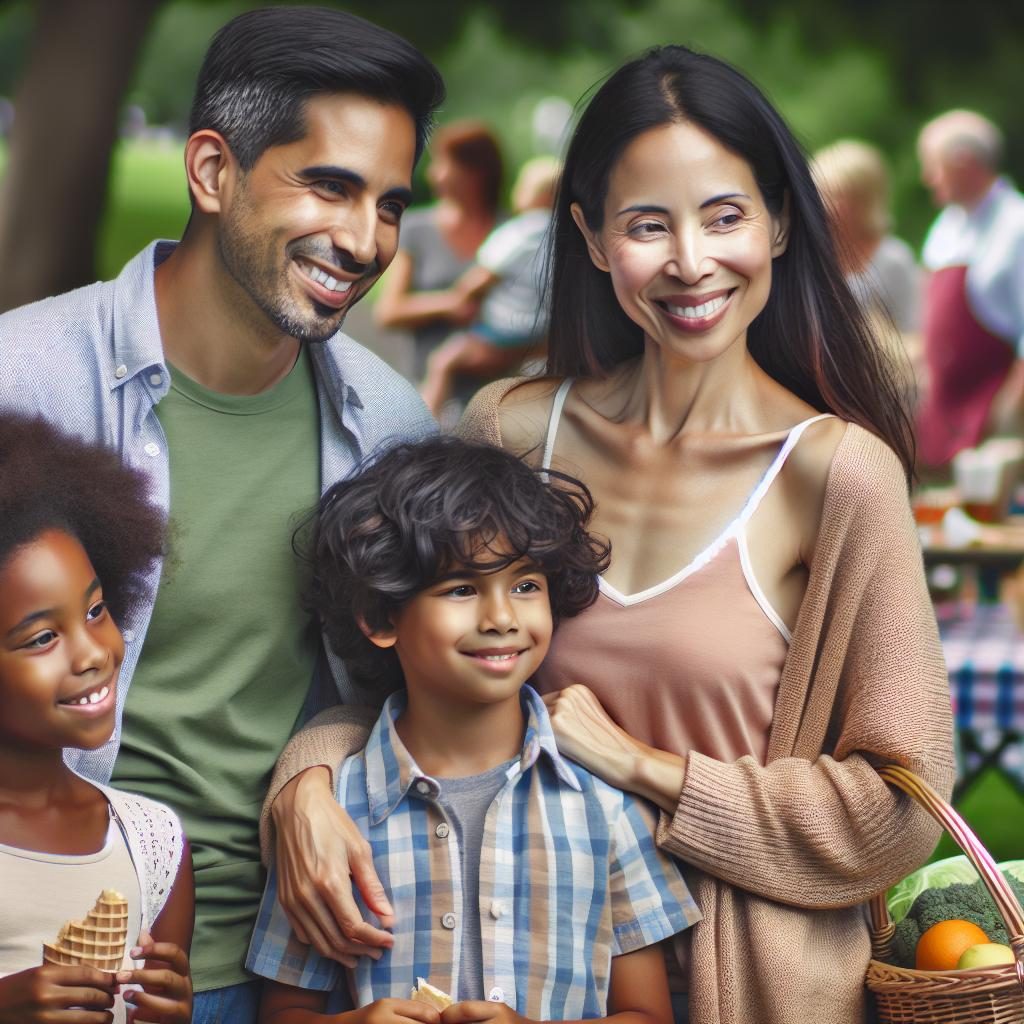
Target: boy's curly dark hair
(52,481)
(384,535)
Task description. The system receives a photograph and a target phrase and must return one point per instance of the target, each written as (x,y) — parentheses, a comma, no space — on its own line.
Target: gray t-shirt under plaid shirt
(465,802)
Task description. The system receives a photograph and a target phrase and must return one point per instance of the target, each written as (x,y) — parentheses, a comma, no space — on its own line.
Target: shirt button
(441,831)
(496,995)
(448,921)
(121,371)
(152,449)
(129,635)
(496,909)
(422,787)
(156,379)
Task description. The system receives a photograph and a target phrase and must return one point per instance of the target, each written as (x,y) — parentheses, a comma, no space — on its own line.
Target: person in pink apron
(974,302)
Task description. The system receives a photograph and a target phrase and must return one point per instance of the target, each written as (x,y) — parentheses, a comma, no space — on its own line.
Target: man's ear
(594,246)
(384,638)
(211,168)
(780,228)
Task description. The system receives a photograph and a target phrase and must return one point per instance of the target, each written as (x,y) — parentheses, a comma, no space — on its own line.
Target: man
(219,368)
(974,306)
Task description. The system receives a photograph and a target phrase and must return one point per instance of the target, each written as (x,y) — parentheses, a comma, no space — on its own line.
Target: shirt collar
(138,346)
(391,771)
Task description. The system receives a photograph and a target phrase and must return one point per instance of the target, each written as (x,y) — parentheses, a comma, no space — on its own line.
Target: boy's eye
(526,587)
(461,590)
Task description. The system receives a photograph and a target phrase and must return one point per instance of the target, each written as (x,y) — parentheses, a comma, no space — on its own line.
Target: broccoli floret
(962,901)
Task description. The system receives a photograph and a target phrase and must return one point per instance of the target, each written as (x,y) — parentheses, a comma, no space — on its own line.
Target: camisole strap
(553,418)
(773,470)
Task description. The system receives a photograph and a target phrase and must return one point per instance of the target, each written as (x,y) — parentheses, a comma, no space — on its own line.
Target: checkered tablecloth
(984,649)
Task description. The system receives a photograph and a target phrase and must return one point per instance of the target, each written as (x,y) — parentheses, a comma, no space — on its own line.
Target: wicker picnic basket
(983,995)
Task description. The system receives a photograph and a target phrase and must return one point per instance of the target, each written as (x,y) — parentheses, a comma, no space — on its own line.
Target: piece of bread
(424,992)
(96,941)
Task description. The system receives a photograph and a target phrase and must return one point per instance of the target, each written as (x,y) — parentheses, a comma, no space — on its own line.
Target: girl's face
(60,650)
(687,240)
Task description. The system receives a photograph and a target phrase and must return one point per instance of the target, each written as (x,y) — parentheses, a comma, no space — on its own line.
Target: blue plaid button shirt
(91,362)
(569,878)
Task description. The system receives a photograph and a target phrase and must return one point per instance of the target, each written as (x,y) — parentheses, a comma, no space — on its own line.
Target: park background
(102,88)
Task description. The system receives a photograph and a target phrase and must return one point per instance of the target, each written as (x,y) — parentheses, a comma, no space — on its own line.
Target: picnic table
(984,650)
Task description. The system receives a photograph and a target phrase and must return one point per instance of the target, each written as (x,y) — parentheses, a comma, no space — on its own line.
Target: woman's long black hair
(811,336)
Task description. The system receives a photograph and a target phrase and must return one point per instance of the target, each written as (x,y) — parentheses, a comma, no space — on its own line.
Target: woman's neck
(670,397)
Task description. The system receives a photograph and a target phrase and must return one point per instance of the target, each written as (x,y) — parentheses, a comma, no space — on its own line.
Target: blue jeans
(233,1004)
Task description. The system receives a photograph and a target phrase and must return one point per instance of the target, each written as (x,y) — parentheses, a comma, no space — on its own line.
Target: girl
(76,534)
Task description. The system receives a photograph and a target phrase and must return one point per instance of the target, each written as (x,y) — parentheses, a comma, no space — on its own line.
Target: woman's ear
(384,638)
(594,246)
(780,228)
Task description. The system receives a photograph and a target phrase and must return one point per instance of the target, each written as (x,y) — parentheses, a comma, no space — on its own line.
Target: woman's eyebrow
(722,198)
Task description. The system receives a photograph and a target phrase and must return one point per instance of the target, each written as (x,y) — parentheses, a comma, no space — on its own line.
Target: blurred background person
(440,242)
(973,326)
(880,268)
(507,279)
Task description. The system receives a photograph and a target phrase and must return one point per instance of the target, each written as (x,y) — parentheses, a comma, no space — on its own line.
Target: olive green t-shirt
(229,654)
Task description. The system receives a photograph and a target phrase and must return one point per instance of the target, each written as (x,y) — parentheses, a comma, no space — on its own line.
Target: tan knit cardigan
(783,856)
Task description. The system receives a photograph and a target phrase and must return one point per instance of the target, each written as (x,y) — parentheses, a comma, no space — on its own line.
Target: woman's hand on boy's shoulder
(164,995)
(471,1010)
(42,993)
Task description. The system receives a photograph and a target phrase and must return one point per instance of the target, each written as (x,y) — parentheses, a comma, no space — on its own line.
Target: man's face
(307,231)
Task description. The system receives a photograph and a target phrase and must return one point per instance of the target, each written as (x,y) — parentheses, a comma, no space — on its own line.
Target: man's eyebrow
(335,173)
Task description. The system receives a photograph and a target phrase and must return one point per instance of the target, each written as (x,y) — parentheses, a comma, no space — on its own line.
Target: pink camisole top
(692,663)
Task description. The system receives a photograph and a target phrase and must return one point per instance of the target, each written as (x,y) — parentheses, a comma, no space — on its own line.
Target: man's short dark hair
(50,481)
(386,534)
(264,65)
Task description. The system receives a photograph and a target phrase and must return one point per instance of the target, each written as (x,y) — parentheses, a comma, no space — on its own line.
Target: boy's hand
(397,1011)
(166,984)
(472,1010)
(51,994)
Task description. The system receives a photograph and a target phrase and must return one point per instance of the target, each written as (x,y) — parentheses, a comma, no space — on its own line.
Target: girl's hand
(586,733)
(394,1011)
(166,984)
(61,995)
(473,1010)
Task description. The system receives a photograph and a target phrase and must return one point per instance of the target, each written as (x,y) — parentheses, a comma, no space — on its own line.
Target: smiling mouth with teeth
(324,279)
(93,697)
(705,309)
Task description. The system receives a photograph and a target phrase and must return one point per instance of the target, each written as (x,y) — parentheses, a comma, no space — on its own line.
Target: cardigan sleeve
(327,739)
(864,684)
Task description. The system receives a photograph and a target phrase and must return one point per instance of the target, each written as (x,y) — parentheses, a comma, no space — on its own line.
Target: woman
(763,639)
(441,241)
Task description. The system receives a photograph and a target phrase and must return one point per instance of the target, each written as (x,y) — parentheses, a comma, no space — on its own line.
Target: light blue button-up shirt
(91,362)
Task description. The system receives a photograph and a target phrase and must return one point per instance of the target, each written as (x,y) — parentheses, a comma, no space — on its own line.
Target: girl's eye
(96,611)
(42,639)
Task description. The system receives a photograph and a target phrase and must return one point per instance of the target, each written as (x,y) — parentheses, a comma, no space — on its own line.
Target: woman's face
(687,240)
(449,179)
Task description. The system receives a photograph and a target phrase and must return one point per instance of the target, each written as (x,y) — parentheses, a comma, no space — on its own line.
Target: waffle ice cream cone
(424,992)
(98,941)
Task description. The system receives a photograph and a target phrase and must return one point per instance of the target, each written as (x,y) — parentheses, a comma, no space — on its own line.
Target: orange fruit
(941,946)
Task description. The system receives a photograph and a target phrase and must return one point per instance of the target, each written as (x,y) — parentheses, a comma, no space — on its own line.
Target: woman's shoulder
(511,413)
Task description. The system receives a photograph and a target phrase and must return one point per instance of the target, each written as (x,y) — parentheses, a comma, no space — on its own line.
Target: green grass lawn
(148,199)
(994,809)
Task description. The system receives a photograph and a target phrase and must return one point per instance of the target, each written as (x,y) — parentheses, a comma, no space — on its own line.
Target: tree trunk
(67,109)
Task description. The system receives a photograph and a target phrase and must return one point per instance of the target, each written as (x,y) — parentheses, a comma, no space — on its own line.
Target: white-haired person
(973,326)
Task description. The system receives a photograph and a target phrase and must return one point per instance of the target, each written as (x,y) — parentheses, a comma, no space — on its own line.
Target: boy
(522,884)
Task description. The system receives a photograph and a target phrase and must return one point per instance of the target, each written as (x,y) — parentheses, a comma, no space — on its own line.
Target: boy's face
(472,637)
